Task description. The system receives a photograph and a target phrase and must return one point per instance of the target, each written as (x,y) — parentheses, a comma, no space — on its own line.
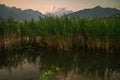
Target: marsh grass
(62,34)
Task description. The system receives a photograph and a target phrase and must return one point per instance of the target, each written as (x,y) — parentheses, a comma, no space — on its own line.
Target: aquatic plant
(61,34)
(52,72)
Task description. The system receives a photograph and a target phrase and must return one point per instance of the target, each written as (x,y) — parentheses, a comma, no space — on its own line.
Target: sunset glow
(57,5)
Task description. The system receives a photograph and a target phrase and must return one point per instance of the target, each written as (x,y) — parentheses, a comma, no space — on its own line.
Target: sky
(45,6)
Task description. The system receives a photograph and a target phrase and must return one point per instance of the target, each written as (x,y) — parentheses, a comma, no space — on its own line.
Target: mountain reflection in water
(29,64)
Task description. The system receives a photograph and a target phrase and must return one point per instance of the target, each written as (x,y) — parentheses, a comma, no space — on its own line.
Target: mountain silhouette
(96,12)
(28,14)
(18,14)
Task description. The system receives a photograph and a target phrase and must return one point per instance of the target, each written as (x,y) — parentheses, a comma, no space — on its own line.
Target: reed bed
(62,34)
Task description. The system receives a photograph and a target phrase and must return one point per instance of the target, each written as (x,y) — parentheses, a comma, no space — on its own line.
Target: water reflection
(28,65)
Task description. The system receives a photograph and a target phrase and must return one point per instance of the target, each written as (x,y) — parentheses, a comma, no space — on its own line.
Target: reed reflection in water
(28,64)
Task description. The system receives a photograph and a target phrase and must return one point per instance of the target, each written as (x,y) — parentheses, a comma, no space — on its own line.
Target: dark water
(29,64)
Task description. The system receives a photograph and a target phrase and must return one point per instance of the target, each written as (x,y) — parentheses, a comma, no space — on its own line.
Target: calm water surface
(29,64)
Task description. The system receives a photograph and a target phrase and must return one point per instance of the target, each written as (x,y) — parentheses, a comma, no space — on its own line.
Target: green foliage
(65,34)
(52,72)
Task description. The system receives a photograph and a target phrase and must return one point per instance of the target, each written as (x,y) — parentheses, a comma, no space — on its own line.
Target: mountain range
(96,12)
(60,13)
(18,14)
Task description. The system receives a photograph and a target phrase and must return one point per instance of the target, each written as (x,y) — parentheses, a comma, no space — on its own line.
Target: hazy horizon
(59,5)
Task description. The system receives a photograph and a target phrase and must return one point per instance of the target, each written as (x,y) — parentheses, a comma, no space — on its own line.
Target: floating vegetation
(61,34)
(51,73)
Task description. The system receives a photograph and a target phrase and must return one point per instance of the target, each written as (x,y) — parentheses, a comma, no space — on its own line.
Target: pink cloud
(56,9)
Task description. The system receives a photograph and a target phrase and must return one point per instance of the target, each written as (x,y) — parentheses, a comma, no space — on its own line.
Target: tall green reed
(62,34)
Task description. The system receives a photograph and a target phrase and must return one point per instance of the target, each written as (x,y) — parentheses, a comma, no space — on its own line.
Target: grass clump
(62,34)
(51,73)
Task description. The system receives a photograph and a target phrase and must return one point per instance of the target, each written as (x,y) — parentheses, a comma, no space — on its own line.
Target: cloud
(56,9)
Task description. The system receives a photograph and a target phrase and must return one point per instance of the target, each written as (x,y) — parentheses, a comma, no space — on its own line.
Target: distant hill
(18,14)
(60,13)
(96,12)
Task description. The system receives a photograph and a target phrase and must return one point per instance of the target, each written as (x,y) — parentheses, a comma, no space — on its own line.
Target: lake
(29,64)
